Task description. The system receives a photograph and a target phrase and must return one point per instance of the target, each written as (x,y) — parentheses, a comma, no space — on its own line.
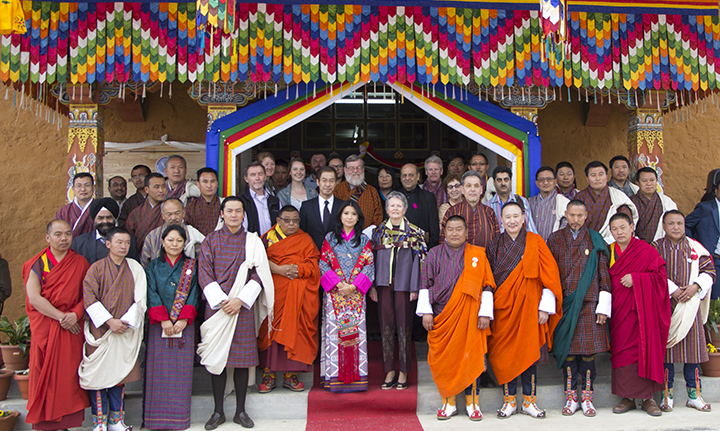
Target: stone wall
(32,188)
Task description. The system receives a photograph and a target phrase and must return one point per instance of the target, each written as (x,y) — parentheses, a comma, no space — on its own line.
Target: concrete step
(550,387)
(280,405)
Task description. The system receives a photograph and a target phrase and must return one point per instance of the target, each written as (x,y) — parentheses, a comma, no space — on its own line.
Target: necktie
(326,216)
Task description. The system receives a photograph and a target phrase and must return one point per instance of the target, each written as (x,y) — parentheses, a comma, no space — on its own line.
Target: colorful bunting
(169,42)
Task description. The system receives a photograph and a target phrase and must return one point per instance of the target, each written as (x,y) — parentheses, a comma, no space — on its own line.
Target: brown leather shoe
(651,407)
(625,405)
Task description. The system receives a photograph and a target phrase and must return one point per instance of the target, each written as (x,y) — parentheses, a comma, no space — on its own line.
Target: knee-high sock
(570,373)
(240,377)
(586,368)
(218,388)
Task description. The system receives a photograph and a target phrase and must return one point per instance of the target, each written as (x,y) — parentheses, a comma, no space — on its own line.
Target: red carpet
(375,409)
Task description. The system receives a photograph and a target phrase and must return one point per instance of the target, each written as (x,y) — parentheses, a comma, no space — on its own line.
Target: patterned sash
(178,191)
(348,311)
(181,293)
(357,192)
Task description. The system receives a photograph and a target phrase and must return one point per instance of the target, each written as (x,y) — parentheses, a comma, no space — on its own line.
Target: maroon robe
(80,221)
(56,400)
(143,220)
(640,320)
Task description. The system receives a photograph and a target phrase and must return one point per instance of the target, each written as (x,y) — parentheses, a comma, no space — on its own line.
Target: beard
(356,180)
(103,228)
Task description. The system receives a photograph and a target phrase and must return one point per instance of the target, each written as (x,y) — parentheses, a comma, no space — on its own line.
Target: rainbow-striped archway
(494,128)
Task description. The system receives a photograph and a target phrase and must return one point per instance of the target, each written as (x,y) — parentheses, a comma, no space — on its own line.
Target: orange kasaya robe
(297,302)
(456,346)
(516,335)
(55,353)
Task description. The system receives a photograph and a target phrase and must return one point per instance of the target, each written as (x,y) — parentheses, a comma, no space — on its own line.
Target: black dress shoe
(243,419)
(215,420)
(486,381)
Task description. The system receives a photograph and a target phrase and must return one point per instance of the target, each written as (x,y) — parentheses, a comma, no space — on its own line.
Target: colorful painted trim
(237,131)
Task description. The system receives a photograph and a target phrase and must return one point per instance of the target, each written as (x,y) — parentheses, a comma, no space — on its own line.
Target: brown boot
(651,407)
(624,406)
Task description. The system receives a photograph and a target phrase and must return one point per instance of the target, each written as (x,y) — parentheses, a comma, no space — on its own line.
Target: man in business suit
(703,225)
(91,245)
(315,219)
(422,206)
(261,208)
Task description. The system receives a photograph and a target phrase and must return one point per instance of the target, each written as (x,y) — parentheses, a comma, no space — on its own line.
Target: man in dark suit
(315,219)
(422,208)
(91,245)
(703,225)
(261,208)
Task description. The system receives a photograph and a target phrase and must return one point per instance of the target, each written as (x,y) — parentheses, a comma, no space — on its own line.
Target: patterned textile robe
(369,202)
(203,215)
(115,289)
(481,223)
(130,204)
(693,349)
(570,254)
(347,256)
(220,257)
(143,220)
(598,207)
(169,365)
(79,220)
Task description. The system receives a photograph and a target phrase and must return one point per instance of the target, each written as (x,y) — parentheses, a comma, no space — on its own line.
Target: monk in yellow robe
(292,343)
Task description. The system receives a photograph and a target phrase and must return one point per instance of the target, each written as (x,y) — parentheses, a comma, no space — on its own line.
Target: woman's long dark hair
(391,172)
(177,228)
(358,226)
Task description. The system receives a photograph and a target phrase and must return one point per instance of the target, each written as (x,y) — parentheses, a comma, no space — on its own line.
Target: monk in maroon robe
(54,304)
(640,318)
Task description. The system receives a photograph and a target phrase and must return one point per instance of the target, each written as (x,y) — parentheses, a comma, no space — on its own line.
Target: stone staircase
(283,404)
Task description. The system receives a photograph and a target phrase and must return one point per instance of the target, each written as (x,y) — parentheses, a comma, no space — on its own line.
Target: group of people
(280,276)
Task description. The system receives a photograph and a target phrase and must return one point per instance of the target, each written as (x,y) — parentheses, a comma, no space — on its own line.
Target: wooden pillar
(645,134)
(86,140)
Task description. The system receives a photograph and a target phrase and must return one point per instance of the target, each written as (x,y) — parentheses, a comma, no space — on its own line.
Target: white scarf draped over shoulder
(618,199)
(116,354)
(217,332)
(683,316)
(667,205)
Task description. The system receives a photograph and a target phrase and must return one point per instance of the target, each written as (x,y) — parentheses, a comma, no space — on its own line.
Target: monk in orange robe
(54,303)
(455,302)
(292,343)
(528,306)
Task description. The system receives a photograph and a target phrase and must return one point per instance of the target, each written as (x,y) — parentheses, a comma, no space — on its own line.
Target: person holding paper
(172,299)
(348,271)
(235,276)
(114,292)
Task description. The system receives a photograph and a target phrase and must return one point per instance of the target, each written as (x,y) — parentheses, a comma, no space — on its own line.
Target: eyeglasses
(290,220)
(545,180)
(453,186)
(354,168)
(478,164)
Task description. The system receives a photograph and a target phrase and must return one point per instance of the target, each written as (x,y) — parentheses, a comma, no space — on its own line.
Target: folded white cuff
(672,287)
(249,293)
(547,302)
(486,305)
(131,317)
(214,295)
(705,281)
(604,303)
(98,314)
(423,303)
